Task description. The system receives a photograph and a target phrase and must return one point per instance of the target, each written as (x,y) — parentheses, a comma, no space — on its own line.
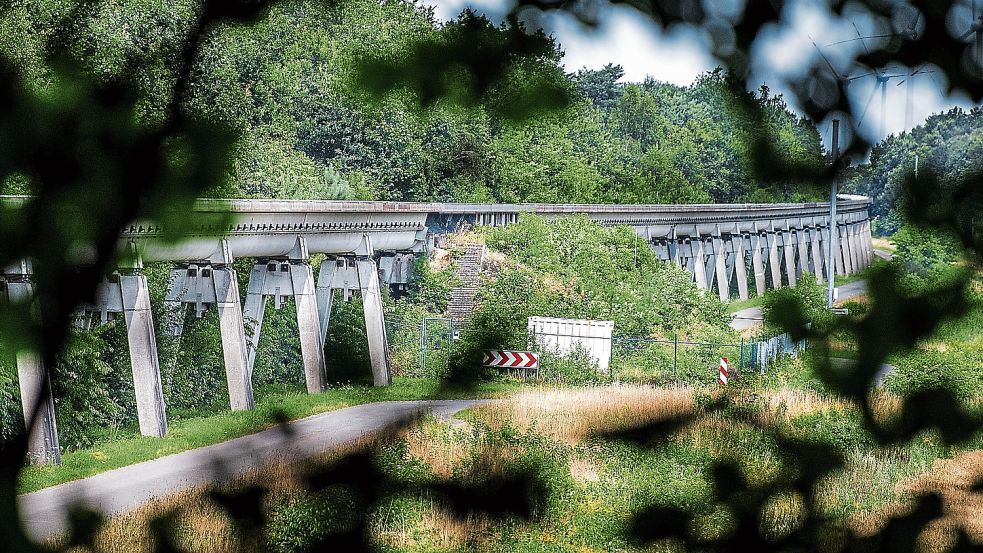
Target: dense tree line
(948,145)
(288,84)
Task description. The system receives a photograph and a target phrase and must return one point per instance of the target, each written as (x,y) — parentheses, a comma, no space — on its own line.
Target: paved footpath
(43,512)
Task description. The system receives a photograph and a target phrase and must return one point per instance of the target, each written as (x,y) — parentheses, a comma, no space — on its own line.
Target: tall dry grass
(570,416)
(954,480)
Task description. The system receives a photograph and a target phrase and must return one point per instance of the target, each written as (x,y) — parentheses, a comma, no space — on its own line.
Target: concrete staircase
(461,305)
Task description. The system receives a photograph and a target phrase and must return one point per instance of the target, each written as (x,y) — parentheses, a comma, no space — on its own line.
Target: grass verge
(273,403)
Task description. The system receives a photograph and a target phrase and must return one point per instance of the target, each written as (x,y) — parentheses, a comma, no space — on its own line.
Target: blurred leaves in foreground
(93,166)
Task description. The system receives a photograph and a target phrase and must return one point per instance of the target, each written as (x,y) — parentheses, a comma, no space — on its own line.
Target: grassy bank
(274,403)
(591,487)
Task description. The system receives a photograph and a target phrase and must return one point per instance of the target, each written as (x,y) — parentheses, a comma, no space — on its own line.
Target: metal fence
(661,361)
(632,359)
(763,352)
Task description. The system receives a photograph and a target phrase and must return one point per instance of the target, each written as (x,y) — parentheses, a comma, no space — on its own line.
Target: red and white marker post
(724,371)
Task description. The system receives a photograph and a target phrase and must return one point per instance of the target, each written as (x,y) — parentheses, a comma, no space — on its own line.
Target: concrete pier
(143,354)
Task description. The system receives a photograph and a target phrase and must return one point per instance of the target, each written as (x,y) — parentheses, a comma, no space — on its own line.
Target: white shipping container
(563,336)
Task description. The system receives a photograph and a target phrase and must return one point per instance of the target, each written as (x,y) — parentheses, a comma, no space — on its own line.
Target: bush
(927,370)
(11,415)
(79,381)
(924,251)
(789,308)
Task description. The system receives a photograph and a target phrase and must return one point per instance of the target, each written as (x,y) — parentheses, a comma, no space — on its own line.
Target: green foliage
(301,521)
(346,350)
(792,307)
(278,359)
(288,84)
(926,370)
(575,368)
(924,251)
(11,416)
(431,288)
(948,145)
(82,398)
(842,429)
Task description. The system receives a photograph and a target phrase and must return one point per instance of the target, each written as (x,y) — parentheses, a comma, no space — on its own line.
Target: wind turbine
(842,79)
(910,32)
(917,71)
(882,77)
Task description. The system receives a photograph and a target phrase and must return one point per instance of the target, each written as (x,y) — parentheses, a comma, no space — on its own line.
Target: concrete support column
(757,264)
(837,250)
(35,388)
(253,311)
(309,326)
(803,243)
(238,372)
(710,263)
(845,250)
(375,324)
(699,263)
(868,243)
(723,283)
(856,252)
(787,242)
(817,255)
(773,262)
(324,292)
(851,243)
(740,266)
(143,354)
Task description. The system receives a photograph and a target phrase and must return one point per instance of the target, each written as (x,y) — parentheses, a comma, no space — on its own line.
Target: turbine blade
(855,77)
(892,35)
(822,55)
(866,107)
(861,36)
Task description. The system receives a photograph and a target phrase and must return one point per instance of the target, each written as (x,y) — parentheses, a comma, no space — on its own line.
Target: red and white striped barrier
(724,371)
(511,359)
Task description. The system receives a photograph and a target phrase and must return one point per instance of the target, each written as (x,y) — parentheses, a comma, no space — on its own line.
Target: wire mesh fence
(659,361)
(765,351)
(422,348)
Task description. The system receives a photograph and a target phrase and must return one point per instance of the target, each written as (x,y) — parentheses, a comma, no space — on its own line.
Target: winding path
(43,512)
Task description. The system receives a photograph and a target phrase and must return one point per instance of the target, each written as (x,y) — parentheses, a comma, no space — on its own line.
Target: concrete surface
(117,491)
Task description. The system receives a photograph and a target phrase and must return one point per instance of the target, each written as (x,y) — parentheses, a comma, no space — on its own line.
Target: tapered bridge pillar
(361,272)
(279,279)
(214,282)
(143,353)
(126,291)
(34,381)
(757,244)
(740,265)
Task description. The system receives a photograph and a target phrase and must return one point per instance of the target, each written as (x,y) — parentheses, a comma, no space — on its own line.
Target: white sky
(780,56)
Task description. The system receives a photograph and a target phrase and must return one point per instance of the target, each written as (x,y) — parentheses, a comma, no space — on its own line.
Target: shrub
(787,309)
(926,370)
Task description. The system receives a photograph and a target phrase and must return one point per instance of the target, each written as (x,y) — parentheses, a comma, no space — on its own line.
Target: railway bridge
(726,247)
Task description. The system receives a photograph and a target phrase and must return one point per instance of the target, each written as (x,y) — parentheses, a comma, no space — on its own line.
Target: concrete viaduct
(727,248)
